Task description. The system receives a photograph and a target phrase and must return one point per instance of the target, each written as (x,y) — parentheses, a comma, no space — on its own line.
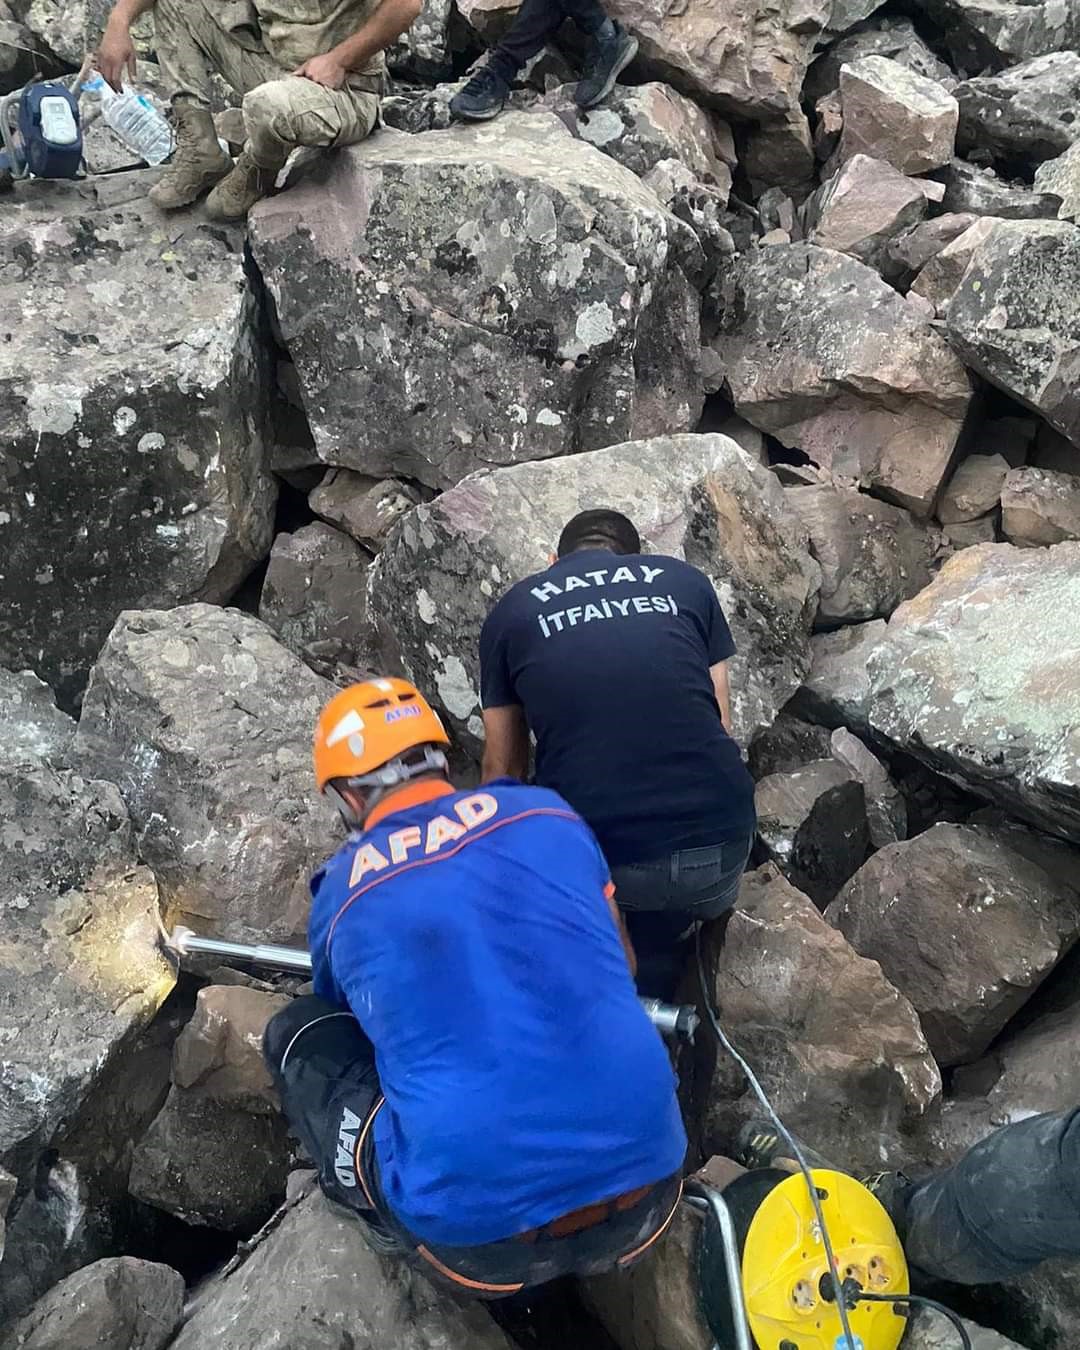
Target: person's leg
(484,96)
(191,46)
(1010,1202)
(279,115)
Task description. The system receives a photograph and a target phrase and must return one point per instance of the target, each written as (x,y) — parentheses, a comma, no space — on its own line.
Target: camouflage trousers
(281,111)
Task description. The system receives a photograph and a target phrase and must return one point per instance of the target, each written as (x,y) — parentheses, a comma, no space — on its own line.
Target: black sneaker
(608,57)
(483,98)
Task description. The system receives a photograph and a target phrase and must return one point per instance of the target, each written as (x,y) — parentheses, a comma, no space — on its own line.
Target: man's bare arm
(506,743)
(382,30)
(115,57)
(719,674)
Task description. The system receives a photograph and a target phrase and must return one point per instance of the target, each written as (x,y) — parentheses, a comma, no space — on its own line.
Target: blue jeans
(663,901)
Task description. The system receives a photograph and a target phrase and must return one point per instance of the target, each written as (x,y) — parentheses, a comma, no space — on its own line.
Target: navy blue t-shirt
(609,657)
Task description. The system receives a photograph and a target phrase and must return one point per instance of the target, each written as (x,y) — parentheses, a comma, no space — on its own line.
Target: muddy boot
(199,161)
(248,183)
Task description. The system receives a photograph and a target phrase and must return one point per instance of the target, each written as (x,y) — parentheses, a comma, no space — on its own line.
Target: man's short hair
(599,528)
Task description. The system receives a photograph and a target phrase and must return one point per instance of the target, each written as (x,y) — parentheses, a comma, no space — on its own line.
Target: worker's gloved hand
(115,57)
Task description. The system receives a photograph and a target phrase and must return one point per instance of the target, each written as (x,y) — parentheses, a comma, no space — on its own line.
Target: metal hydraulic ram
(668,1018)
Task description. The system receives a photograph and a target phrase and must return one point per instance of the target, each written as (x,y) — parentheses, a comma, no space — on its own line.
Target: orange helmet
(368,725)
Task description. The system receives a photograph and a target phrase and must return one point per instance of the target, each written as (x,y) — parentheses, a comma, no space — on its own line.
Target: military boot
(198,163)
(248,183)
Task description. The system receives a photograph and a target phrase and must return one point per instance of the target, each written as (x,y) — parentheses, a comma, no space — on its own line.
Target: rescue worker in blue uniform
(474,1077)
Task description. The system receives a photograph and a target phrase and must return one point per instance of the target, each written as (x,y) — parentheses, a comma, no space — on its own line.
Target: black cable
(789,1139)
(921,1301)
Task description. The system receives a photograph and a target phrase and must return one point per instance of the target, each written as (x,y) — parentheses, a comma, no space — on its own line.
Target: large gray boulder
(695,497)
(205,721)
(908,253)
(943,275)
(130,430)
(817,350)
(970,187)
(989,34)
(1023,115)
(314,596)
(839,1051)
(974,490)
(505,293)
(424,49)
(115,1304)
(315,1284)
(872,555)
(893,114)
(218,1153)
(932,1330)
(974,676)
(884,35)
(964,925)
(1016,317)
(836,691)
(1061,177)
(34,728)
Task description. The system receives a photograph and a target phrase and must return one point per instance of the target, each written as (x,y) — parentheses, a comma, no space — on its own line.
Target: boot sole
(616,70)
(207,186)
(477,116)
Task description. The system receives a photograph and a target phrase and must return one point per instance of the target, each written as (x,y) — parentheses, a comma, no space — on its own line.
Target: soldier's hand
(326,70)
(116,56)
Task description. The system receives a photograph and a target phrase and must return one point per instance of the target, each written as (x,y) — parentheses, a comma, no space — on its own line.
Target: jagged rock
(314,1284)
(1016,317)
(1054,451)
(505,269)
(828,124)
(639,125)
(756,72)
(980,191)
(931,1330)
(1061,177)
(315,596)
(908,253)
(365,508)
(81,972)
(985,34)
(872,555)
(839,1052)
(974,489)
(71,28)
(965,926)
(966,533)
(7,1192)
(812,822)
(895,115)
(991,705)
(1023,115)
(779,153)
(820,352)
(862,208)
(33,727)
(886,810)
(893,37)
(205,721)
(696,497)
(701,207)
(788,744)
(1040,507)
(836,692)
(423,49)
(22,55)
(130,433)
(940,279)
(114,1304)
(218,1153)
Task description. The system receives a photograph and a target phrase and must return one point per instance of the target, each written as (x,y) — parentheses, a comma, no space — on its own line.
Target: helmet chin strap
(383,781)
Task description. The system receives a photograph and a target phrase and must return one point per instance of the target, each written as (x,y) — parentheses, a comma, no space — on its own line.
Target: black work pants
(323,1066)
(537,21)
(1010,1202)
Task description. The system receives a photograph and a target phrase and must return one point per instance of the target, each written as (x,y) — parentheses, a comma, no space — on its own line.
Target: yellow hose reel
(783,1263)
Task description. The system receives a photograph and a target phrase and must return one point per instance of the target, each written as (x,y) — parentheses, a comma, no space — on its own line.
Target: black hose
(920,1301)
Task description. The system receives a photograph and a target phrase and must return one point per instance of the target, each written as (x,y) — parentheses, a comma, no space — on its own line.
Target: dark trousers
(323,1066)
(663,901)
(1010,1202)
(537,21)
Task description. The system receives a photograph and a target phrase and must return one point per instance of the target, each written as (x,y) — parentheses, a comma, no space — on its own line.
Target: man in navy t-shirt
(616,661)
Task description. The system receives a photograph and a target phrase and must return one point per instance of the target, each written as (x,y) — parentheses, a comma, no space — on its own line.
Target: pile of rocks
(806,305)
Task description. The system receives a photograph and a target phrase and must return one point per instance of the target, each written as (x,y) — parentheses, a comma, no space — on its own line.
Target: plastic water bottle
(135,120)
